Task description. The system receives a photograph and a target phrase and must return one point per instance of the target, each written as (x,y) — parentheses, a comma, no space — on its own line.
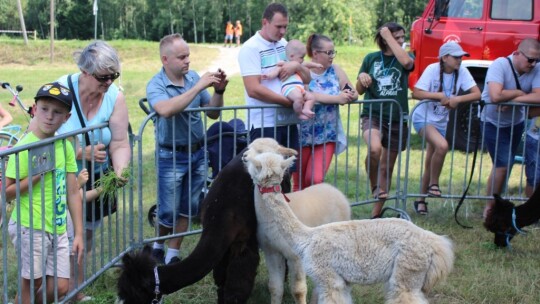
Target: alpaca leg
(405,283)
(333,289)
(297,280)
(275,263)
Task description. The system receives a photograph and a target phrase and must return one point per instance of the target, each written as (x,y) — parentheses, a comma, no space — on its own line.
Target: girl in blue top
(323,134)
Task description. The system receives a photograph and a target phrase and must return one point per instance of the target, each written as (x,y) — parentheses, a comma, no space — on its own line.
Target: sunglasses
(106,78)
(530,60)
(330,53)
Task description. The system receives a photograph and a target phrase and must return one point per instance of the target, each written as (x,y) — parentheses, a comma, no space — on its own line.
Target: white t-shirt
(257,57)
(433,113)
(500,72)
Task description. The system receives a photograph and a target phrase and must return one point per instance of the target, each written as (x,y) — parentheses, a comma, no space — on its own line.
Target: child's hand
(78,248)
(82,178)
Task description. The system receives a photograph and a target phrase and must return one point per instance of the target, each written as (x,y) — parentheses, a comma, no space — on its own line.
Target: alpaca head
(266,144)
(499,221)
(267,168)
(136,283)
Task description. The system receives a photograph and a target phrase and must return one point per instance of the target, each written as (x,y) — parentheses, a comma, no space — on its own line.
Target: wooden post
(23,26)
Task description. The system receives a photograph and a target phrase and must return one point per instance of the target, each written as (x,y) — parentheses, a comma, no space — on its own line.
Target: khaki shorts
(386,131)
(52,248)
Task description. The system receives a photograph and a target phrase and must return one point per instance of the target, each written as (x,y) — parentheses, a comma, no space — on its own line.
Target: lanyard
(385,71)
(448,92)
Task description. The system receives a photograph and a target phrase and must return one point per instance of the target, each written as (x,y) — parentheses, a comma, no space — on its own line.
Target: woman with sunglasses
(438,87)
(384,75)
(323,135)
(97,100)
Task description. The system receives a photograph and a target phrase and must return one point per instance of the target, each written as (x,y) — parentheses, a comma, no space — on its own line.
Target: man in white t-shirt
(503,125)
(258,56)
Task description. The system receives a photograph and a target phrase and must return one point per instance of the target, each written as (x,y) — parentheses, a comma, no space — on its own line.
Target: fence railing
(128,228)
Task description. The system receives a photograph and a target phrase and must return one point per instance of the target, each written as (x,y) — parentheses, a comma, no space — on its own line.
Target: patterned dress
(326,125)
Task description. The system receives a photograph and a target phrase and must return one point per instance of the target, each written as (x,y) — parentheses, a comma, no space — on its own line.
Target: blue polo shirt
(160,88)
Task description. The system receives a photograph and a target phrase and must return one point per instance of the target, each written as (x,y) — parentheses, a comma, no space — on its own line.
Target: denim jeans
(179,188)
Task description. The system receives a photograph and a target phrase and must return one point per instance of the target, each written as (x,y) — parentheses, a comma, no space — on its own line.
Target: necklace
(448,91)
(385,70)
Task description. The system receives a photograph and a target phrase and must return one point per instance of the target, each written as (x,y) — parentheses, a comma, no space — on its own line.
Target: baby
(293,87)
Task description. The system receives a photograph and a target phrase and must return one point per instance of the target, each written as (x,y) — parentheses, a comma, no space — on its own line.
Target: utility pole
(23,26)
(95,9)
(51,35)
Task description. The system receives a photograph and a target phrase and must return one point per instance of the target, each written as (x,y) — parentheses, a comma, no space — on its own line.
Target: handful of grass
(109,182)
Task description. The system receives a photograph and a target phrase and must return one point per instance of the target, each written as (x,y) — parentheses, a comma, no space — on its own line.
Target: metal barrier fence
(127,228)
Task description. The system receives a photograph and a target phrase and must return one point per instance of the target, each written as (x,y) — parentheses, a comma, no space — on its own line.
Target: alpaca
(267,144)
(313,206)
(499,219)
(410,260)
(228,246)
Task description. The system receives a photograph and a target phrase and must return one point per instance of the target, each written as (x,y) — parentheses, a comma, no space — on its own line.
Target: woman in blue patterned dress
(323,135)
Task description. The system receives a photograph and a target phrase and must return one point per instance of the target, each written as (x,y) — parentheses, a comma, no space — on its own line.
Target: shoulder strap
(514,73)
(78,108)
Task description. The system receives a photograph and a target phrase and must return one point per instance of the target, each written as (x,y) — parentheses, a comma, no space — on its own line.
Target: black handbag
(106,204)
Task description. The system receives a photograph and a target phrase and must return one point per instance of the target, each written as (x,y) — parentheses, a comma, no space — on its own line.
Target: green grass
(482,273)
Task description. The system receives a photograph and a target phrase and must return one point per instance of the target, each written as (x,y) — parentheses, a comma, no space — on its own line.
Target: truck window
(471,9)
(512,10)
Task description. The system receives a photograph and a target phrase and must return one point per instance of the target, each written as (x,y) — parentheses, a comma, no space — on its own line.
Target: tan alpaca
(408,259)
(313,206)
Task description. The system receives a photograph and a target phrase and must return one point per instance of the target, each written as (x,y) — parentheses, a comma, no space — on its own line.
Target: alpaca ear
(286,151)
(288,161)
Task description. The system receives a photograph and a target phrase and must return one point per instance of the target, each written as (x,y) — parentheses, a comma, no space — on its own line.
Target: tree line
(199,21)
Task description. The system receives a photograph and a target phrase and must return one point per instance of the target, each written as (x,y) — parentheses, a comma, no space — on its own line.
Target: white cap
(453,49)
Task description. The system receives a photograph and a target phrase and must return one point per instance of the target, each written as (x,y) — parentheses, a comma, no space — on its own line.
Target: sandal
(434,191)
(421,212)
(379,194)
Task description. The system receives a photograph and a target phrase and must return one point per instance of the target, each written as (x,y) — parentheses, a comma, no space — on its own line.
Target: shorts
(532,166)
(286,136)
(501,147)
(178,193)
(286,89)
(419,125)
(228,37)
(58,247)
(392,131)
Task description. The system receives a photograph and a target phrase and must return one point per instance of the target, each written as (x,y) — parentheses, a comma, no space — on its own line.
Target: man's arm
(498,94)
(292,67)
(217,97)
(255,89)
(170,107)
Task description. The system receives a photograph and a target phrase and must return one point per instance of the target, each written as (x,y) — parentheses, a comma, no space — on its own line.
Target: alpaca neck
(529,212)
(272,208)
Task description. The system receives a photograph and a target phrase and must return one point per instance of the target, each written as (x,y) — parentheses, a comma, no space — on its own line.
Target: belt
(185,149)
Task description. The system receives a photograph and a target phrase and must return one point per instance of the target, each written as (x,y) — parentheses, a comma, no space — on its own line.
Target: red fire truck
(487,29)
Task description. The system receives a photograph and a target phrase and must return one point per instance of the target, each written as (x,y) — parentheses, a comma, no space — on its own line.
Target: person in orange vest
(238,32)
(229,31)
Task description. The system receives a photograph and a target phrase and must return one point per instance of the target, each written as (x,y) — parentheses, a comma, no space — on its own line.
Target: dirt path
(227,61)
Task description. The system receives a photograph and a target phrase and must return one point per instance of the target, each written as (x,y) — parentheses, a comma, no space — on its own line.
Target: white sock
(171,253)
(158,245)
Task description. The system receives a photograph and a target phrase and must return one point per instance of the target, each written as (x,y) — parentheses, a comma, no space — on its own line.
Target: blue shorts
(228,37)
(419,125)
(532,166)
(286,136)
(175,186)
(502,143)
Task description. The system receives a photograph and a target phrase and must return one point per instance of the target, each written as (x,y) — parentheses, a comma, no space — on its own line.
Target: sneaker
(159,255)
(174,260)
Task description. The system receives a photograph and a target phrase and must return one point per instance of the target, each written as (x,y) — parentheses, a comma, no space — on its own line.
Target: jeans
(179,189)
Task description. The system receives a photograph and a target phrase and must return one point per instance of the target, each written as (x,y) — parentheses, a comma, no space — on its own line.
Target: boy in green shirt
(41,207)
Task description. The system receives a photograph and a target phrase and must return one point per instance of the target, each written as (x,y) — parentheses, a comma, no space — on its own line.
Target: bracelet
(219,92)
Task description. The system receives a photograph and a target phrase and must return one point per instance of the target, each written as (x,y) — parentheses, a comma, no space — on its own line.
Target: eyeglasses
(330,53)
(529,59)
(106,78)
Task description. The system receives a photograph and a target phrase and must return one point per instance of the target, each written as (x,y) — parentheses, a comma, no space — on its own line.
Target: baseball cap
(56,91)
(453,49)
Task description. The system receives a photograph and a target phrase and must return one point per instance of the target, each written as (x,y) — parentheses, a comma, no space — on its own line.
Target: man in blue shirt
(180,138)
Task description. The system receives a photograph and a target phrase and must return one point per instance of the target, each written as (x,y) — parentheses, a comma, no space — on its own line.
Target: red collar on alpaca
(272,189)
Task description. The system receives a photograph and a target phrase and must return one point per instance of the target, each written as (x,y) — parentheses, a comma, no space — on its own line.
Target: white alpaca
(313,206)
(408,259)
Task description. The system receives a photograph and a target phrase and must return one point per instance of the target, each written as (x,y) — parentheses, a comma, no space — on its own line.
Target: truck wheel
(460,138)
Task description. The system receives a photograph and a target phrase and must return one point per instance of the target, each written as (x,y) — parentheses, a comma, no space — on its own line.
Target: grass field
(482,273)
